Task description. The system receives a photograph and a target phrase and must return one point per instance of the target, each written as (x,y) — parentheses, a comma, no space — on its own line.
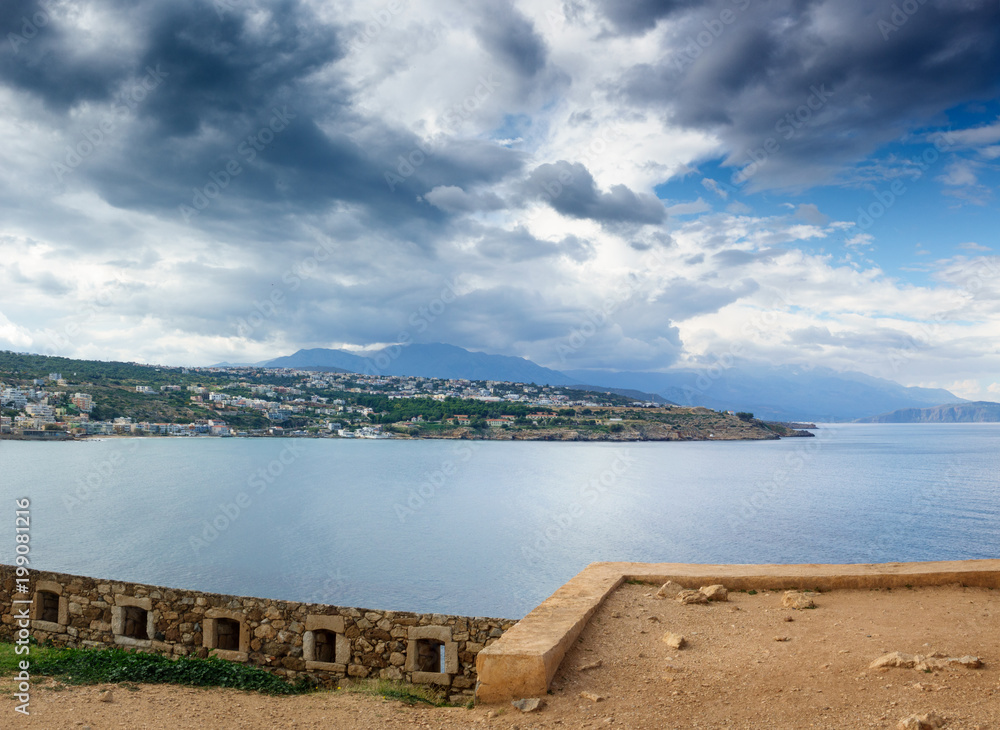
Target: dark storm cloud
(38,54)
(223,69)
(454,199)
(219,64)
(510,36)
(812,86)
(571,190)
(237,106)
(519,245)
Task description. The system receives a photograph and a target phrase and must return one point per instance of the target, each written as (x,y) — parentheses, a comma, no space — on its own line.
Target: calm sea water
(492,528)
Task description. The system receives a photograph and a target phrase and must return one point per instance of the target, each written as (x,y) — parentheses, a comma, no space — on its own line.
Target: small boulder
(923,663)
(105,696)
(895,659)
(715,592)
(797,599)
(674,641)
(529,704)
(925,687)
(930,721)
(669,590)
(687,597)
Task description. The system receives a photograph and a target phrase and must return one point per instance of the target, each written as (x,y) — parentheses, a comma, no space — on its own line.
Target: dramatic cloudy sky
(633,184)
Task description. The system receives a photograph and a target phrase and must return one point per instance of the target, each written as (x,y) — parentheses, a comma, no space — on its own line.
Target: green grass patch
(9,659)
(96,666)
(394,690)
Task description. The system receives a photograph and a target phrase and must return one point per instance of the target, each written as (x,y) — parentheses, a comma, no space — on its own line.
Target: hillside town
(311,403)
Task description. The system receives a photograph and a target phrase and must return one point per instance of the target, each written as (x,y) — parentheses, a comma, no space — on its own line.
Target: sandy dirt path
(745,665)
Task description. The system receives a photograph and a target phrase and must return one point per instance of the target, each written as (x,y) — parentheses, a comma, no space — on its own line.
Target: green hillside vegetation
(354,401)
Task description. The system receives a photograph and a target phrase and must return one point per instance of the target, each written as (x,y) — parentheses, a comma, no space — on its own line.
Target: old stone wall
(285,637)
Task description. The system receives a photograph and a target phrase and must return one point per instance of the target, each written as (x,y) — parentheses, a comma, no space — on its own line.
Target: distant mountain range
(981,411)
(429,361)
(778,393)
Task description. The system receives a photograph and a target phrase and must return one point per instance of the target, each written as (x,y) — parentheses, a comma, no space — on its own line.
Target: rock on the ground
(930,721)
(591,665)
(715,592)
(924,663)
(669,590)
(675,641)
(895,659)
(529,704)
(592,697)
(797,599)
(106,696)
(687,597)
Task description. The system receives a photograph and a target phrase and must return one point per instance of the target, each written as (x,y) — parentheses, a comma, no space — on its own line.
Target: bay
(491,528)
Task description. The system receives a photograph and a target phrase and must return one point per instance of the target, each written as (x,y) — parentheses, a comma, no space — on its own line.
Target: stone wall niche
(324,646)
(225,635)
(49,608)
(132,621)
(423,655)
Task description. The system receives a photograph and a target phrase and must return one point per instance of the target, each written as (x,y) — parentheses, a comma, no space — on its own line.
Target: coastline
(460,435)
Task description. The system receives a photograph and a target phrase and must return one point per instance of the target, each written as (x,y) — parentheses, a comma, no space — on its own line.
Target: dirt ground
(745,665)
